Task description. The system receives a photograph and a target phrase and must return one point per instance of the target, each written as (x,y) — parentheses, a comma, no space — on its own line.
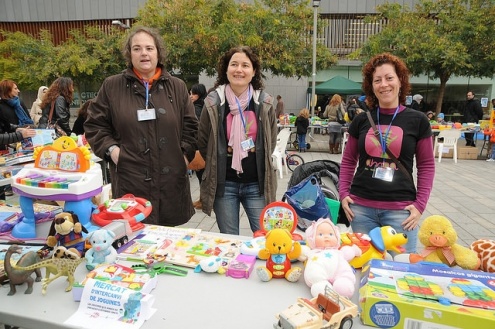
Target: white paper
(109,306)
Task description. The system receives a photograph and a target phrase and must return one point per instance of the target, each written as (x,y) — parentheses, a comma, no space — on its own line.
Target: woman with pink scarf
(237,136)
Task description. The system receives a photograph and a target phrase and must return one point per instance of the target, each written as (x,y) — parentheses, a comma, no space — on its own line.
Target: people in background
(302,124)
(59,97)
(352,108)
(472,114)
(36,109)
(197,95)
(82,114)
(430,115)
(280,110)
(417,103)
(334,127)
(237,136)
(441,119)
(373,189)
(143,123)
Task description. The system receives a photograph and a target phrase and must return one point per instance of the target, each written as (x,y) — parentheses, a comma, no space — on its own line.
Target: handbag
(308,200)
(197,163)
(387,150)
(340,117)
(54,125)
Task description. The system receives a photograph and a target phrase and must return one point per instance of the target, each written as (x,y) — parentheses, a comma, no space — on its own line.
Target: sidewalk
(463,192)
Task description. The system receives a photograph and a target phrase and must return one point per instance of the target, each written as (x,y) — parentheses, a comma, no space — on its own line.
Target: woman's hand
(412,221)
(185,159)
(27,132)
(115,155)
(345,205)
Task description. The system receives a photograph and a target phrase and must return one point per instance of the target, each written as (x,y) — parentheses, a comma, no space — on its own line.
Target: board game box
(402,295)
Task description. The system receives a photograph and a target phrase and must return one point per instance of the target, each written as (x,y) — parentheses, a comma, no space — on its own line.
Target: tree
(198,32)
(438,38)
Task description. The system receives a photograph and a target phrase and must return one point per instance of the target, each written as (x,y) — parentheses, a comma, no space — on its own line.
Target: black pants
(469,139)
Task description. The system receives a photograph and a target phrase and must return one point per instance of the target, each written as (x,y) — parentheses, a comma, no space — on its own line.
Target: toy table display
(61,172)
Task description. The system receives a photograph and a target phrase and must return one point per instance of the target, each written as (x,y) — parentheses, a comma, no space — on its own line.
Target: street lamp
(122,25)
(316,4)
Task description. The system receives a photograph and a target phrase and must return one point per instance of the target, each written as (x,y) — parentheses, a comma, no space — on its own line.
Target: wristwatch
(110,149)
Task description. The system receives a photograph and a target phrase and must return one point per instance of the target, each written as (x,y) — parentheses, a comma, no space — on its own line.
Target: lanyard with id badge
(384,173)
(247,144)
(146,113)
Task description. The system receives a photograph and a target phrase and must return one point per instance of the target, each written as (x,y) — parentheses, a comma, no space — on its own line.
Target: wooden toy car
(326,311)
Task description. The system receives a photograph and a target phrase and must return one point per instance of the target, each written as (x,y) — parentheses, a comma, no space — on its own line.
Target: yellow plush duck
(439,238)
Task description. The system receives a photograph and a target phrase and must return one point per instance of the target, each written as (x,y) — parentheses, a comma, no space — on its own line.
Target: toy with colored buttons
(476,295)
(417,286)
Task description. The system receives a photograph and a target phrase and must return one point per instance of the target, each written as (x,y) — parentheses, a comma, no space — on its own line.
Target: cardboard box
(447,153)
(401,295)
(467,153)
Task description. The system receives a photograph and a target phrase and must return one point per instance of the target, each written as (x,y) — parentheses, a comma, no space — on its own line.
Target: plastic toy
(61,171)
(67,231)
(241,267)
(210,265)
(328,310)
(278,215)
(326,264)
(382,239)
(279,250)
(486,253)
(439,238)
(62,263)
(101,251)
(121,230)
(17,277)
(128,207)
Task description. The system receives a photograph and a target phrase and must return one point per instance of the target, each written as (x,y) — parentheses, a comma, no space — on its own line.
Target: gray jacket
(213,180)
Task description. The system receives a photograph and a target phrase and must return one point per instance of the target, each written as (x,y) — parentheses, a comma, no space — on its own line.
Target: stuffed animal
(66,231)
(439,238)
(326,265)
(486,253)
(279,250)
(101,251)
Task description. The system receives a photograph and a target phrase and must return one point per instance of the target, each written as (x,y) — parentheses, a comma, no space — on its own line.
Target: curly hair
(223,65)
(62,86)
(159,44)
(304,113)
(400,69)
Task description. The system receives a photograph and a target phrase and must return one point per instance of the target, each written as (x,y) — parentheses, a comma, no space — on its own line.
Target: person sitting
(441,119)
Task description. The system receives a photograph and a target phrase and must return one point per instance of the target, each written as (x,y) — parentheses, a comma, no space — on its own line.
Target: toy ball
(457,125)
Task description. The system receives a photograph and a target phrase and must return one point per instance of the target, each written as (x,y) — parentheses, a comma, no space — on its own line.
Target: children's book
(151,239)
(191,248)
(43,137)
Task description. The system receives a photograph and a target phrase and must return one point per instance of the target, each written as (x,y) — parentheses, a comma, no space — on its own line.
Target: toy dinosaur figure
(16,276)
(62,263)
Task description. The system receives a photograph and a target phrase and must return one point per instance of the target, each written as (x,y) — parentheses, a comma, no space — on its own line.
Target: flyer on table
(104,305)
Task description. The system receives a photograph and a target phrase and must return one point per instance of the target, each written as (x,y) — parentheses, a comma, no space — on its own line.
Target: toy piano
(62,171)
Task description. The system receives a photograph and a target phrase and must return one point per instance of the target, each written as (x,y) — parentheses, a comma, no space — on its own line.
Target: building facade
(344,31)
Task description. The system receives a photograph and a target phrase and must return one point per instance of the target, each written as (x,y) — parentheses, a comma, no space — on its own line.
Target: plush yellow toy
(439,239)
(279,250)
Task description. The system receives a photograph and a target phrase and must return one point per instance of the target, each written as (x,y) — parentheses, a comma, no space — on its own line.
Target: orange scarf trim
(158,73)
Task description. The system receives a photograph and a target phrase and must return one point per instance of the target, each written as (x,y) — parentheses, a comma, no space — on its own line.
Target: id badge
(386,174)
(145,115)
(247,144)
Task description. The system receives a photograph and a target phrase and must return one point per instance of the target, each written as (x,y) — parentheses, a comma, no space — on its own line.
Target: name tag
(247,144)
(385,174)
(145,115)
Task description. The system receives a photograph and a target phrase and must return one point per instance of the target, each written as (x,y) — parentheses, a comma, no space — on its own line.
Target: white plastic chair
(279,153)
(345,137)
(450,137)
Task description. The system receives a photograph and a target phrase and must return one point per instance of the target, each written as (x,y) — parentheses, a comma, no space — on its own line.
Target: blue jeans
(366,219)
(301,140)
(227,207)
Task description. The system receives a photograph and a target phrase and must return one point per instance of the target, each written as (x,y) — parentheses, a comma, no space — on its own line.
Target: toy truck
(327,311)
(122,229)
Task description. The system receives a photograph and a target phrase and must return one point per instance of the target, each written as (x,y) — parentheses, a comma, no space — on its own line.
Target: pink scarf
(237,131)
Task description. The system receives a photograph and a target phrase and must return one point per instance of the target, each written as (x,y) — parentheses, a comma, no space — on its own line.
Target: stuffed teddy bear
(485,249)
(101,251)
(279,251)
(326,264)
(439,238)
(66,231)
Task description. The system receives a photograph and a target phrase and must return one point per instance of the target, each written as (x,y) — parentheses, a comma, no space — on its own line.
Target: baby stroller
(326,173)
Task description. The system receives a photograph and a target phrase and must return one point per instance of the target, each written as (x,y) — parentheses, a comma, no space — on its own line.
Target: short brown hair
(223,64)
(6,87)
(157,38)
